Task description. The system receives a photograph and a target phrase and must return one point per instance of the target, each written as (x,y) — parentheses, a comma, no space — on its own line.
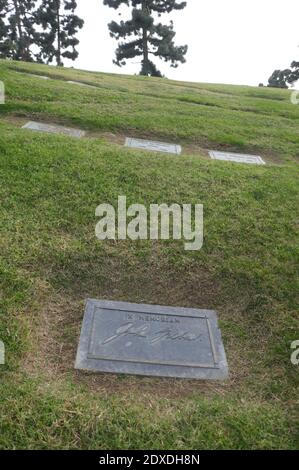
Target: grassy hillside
(50,260)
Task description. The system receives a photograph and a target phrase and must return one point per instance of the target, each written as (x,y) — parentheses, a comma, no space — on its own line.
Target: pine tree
(60,26)
(283,78)
(293,76)
(17,32)
(5,49)
(150,38)
(278,79)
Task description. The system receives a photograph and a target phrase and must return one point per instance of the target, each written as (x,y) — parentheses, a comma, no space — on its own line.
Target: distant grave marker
(153,146)
(81,84)
(43,77)
(53,129)
(237,157)
(151,340)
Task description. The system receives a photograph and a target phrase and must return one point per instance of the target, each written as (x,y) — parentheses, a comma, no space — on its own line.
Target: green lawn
(50,260)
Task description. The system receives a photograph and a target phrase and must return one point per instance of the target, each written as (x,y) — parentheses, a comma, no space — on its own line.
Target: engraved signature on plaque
(143,331)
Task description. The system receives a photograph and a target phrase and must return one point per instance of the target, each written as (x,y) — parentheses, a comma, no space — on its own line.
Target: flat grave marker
(54,129)
(35,75)
(43,77)
(237,157)
(153,146)
(151,340)
(81,84)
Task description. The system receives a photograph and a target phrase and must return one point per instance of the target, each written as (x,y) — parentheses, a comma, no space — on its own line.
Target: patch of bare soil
(201,149)
(55,333)
(15,120)
(116,138)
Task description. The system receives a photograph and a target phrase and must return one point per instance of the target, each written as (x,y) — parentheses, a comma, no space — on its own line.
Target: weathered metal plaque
(153,146)
(151,340)
(53,129)
(35,75)
(237,157)
(43,77)
(81,84)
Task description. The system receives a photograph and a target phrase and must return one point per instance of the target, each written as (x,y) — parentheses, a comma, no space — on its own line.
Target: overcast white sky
(230,41)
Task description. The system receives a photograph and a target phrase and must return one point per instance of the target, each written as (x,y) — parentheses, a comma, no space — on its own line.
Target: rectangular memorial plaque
(81,84)
(151,340)
(153,146)
(53,129)
(43,77)
(237,157)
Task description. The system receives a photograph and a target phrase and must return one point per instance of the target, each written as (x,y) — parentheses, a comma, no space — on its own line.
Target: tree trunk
(145,65)
(58,58)
(20,53)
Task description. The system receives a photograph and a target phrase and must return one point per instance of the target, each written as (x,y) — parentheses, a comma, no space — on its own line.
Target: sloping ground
(51,261)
